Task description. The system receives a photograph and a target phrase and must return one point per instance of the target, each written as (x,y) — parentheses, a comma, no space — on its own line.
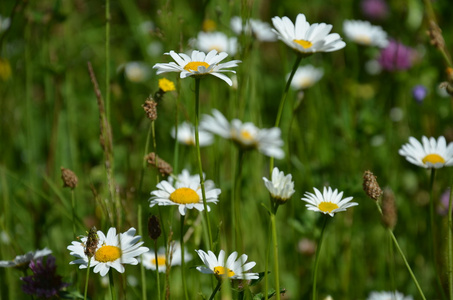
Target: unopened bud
(389,212)
(69,178)
(154,230)
(92,242)
(162,166)
(371,186)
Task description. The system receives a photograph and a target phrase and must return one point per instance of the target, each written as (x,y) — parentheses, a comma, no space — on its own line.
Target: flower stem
(157,269)
(86,279)
(275,246)
(112,285)
(200,166)
(450,246)
(142,268)
(318,250)
(107,58)
(183,277)
(217,288)
(73,214)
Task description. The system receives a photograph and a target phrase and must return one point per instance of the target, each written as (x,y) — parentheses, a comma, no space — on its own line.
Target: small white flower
(4,23)
(22,261)
(186,193)
(215,40)
(262,31)
(281,187)
(245,135)
(432,154)
(363,33)
(186,135)
(174,257)
(329,202)
(388,296)
(306,77)
(198,64)
(112,251)
(232,268)
(305,38)
(136,71)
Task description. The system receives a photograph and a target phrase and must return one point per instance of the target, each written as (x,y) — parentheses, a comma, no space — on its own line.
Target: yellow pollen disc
(107,253)
(363,39)
(193,66)
(221,271)
(184,196)
(246,135)
(433,158)
(160,261)
(327,206)
(305,44)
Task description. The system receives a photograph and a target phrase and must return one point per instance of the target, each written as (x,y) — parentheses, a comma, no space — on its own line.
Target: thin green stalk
(235,202)
(200,167)
(217,288)
(275,247)
(183,263)
(107,58)
(283,99)
(86,279)
(73,214)
(142,173)
(157,270)
(450,245)
(142,268)
(318,250)
(112,285)
(266,265)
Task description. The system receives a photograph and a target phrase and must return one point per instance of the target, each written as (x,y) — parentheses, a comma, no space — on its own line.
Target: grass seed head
(69,178)
(371,186)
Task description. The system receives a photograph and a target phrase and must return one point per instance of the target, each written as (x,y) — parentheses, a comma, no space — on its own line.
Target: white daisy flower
(388,296)
(22,261)
(198,64)
(186,193)
(174,258)
(136,71)
(305,38)
(432,154)
(245,135)
(363,33)
(329,202)
(186,135)
(281,187)
(112,251)
(262,31)
(215,40)
(232,268)
(306,77)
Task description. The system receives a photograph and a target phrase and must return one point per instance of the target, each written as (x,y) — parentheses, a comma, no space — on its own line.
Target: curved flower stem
(217,288)
(450,246)
(318,250)
(86,279)
(275,246)
(112,285)
(282,102)
(200,166)
(183,263)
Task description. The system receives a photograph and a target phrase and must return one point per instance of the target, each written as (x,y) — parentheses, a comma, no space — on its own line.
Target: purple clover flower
(419,93)
(442,207)
(396,57)
(44,283)
(375,9)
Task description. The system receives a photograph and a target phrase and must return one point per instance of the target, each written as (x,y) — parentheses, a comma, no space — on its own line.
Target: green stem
(275,247)
(157,269)
(148,135)
(282,101)
(217,288)
(142,268)
(236,209)
(107,58)
(450,244)
(183,277)
(200,166)
(73,214)
(86,279)
(266,265)
(112,285)
(318,250)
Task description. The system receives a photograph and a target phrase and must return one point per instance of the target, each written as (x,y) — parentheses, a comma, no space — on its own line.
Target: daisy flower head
(329,202)
(113,250)
(173,258)
(306,77)
(245,135)
(22,261)
(136,71)
(305,38)
(215,40)
(363,33)
(430,154)
(281,187)
(232,268)
(388,296)
(262,31)
(199,64)
(185,193)
(186,135)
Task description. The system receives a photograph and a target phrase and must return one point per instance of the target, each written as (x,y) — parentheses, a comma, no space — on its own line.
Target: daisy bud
(150,108)
(92,242)
(389,213)
(69,178)
(371,186)
(154,230)
(163,167)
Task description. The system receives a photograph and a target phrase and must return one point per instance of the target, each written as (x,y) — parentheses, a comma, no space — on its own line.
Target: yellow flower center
(363,39)
(184,196)
(166,85)
(193,66)
(221,271)
(433,158)
(209,25)
(246,135)
(327,206)
(107,253)
(160,260)
(303,43)
(306,82)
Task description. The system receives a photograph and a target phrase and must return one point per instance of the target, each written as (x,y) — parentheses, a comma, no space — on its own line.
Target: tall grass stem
(275,247)
(318,250)
(183,263)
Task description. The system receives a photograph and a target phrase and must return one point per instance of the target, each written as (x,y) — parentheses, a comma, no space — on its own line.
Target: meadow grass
(348,122)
